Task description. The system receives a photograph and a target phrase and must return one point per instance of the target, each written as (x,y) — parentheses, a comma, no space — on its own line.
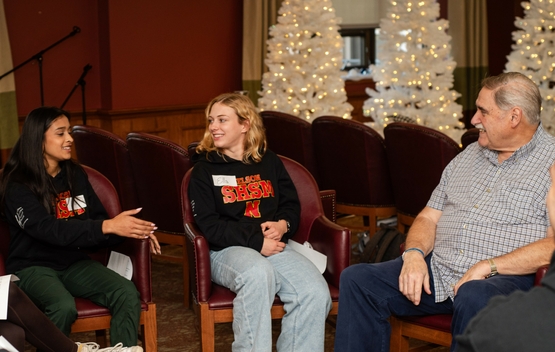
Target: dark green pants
(54,291)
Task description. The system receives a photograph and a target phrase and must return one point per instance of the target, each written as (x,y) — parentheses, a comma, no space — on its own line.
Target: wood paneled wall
(180,124)
(183,124)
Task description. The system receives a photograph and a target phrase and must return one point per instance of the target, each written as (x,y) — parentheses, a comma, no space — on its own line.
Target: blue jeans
(369,295)
(256,280)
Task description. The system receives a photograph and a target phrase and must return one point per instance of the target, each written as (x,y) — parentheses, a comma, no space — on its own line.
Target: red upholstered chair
(417,156)
(191,148)
(91,317)
(435,329)
(351,159)
(290,136)
(214,304)
(158,168)
(469,136)
(107,153)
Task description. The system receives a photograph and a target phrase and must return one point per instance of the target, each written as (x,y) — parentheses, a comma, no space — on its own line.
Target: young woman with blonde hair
(247,207)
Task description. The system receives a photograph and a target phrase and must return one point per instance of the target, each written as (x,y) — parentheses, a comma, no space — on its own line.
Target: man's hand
(414,276)
(478,271)
(550,199)
(271,247)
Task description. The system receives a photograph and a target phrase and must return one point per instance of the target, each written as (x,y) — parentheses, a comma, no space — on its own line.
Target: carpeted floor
(177,331)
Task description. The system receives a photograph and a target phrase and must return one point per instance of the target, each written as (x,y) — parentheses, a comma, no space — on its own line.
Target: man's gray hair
(513,89)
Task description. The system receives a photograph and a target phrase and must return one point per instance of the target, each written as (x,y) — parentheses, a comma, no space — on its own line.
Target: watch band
(412,249)
(288,225)
(493,268)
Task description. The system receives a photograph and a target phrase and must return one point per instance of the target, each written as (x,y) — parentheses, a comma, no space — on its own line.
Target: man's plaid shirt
(489,209)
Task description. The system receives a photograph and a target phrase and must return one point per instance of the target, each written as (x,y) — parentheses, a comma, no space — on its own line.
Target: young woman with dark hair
(53,213)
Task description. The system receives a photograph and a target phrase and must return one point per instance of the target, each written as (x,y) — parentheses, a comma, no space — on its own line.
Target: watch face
(492,274)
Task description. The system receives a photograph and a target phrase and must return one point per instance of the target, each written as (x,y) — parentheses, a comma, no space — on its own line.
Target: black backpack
(383,246)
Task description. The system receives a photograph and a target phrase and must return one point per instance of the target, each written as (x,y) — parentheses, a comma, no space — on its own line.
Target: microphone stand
(80,82)
(39,58)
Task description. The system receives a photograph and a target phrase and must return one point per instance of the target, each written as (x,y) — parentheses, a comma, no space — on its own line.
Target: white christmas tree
(304,60)
(534,53)
(414,70)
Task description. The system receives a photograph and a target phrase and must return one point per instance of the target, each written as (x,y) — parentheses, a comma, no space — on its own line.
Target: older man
(483,232)
(522,321)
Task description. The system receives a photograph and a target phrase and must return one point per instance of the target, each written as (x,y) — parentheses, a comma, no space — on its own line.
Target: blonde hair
(255,138)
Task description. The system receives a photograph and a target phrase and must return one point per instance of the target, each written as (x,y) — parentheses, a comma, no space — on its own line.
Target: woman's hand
(127,225)
(274,229)
(154,245)
(271,247)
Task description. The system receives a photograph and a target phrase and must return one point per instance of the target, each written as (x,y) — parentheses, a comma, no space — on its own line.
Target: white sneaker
(87,347)
(119,348)
(94,347)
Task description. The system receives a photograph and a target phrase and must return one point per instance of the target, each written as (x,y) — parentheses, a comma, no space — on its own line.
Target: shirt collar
(521,152)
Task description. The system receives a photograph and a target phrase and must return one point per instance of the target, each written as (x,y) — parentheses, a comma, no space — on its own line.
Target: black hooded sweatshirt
(230,199)
(39,238)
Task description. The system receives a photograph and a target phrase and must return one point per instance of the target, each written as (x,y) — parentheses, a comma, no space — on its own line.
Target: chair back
(158,167)
(309,197)
(191,148)
(107,153)
(137,250)
(417,156)
(469,136)
(105,191)
(290,136)
(351,159)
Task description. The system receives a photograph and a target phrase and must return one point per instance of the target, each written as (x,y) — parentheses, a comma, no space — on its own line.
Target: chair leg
(207,328)
(397,342)
(372,224)
(150,329)
(186,283)
(101,338)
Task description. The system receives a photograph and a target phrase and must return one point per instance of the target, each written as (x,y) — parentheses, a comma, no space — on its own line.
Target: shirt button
(476,206)
(488,190)
(464,226)
(461,251)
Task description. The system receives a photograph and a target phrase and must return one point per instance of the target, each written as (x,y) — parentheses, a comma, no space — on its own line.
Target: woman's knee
(13,333)
(64,307)
(320,292)
(126,293)
(261,272)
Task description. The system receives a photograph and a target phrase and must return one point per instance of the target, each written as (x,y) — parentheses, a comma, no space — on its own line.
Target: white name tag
(224,180)
(78,204)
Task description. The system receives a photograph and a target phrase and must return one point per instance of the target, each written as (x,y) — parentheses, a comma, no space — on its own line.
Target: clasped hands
(126,224)
(273,231)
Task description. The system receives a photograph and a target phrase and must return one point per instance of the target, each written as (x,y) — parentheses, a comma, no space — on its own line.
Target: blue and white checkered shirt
(489,209)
